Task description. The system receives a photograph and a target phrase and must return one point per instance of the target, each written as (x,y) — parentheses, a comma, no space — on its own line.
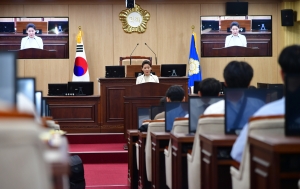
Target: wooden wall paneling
(174,31)
(11,10)
(20,68)
(47,71)
(96,23)
(45,10)
(124,43)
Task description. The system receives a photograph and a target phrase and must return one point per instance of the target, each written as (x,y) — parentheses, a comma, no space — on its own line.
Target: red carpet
(106,175)
(97,147)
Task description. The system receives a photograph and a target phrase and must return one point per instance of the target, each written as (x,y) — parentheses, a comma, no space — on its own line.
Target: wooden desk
(143,181)
(60,42)
(159,141)
(133,138)
(216,161)
(274,162)
(75,114)
(112,92)
(181,143)
(216,39)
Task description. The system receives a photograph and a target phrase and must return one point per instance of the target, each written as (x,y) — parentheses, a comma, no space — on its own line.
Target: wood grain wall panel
(96,23)
(47,71)
(21,68)
(212,9)
(124,43)
(174,31)
(11,10)
(45,10)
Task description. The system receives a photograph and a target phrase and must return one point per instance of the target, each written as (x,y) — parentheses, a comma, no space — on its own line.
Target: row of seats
(210,124)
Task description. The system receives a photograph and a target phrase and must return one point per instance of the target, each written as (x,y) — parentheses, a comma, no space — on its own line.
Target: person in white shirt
(147,76)
(31,41)
(289,61)
(235,39)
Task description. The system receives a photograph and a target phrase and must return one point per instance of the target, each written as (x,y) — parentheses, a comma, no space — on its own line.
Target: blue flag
(194,63)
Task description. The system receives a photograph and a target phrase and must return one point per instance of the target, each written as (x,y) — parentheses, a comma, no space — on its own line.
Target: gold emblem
(194,66)
(134,19)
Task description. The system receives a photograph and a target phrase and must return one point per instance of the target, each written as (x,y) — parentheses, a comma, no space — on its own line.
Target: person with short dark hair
(31,41)
(209,87)
(175,93)
(236,75)
(147,75)
(289,61)
(235,39)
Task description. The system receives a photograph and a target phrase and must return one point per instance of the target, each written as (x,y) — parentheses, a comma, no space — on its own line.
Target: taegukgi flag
(80,71)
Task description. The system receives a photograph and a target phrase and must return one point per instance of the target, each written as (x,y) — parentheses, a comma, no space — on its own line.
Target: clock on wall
(134,19)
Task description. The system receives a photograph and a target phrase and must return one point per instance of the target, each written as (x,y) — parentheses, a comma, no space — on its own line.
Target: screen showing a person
(241,104)
(38,102)
(174,110)
(26,86)
(292,101)
(35,37)
(143,114)
(236,36)
(197,105)
(156,110)
(8,78)
(173,70)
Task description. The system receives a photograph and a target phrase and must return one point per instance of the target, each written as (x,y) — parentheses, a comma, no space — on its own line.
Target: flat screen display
(49,39)
(241,104)
(250,37)
(292,101)
(143,114)
(236,8)
(38,102)
(197,106)
(156,110)
(8,78)
(114,71)
(173,70)
(174,110)
(26,86)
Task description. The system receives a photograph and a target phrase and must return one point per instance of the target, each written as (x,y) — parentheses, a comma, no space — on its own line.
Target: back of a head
(289,59)
(175,93)
(238,74)
(209,87)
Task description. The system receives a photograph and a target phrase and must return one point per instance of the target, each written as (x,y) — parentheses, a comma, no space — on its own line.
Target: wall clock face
(134,20)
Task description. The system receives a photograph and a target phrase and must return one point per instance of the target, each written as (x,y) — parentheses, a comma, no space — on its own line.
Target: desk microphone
(133,51)
(153,53)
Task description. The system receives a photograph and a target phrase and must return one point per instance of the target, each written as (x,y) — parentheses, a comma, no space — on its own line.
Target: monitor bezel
(165,68)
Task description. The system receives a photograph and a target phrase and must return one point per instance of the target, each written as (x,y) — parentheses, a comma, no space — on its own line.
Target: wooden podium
(141,96)
(35,53)
(235,51)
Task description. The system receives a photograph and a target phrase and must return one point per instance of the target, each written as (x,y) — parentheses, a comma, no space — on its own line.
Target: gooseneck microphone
(133,51)
(153,53)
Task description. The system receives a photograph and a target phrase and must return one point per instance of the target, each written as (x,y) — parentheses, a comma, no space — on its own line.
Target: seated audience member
(236,75)
(175,93)
(289,61)
(147,75)
(31,41)
(162,114)
(209,87)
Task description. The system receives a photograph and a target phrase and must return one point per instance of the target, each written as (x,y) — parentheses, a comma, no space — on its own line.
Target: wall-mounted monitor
(26,86)
(236,8)
(173,70)
(237,36)
(49,41)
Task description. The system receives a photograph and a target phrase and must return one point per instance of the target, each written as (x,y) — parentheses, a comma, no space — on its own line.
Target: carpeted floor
(106,175)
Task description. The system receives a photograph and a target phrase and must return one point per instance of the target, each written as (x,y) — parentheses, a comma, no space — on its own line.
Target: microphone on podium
(153,52)
(133,51)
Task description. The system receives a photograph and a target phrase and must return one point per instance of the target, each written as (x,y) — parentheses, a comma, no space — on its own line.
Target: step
(95,138)
(100,153)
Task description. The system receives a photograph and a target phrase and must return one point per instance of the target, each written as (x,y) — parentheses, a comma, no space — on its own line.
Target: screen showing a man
(235,39)
(31,41)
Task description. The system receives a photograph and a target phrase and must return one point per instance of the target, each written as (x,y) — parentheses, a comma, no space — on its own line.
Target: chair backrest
(154,126)
(181,125)
(21,146)
(142,58)
(263,125)
(207,124)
